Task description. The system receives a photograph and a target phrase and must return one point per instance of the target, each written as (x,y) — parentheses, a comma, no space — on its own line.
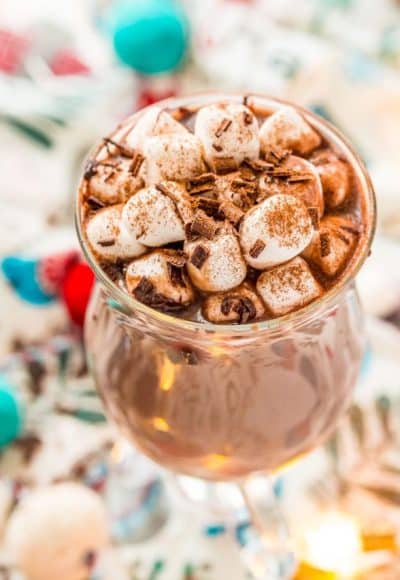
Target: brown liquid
(222,406)
(222,413)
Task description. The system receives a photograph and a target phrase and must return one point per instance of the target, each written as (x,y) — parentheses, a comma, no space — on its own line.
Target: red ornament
(76,290)
(12,50)
(66,62)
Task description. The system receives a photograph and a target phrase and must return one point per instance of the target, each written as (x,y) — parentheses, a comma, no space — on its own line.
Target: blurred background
(69,72)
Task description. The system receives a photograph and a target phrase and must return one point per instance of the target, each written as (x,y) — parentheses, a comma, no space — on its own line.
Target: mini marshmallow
(287,129)
(109,238)
(151,123)
(216,265)
(154,218)
(304,183)
(274,231)
(173,157)
(335,177)
(332,246)
(241,305)
(57,532)
(159,280)
(227,131)
(112,180)
(288,287)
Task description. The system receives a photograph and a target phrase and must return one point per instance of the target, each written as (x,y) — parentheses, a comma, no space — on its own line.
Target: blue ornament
(22,274)
(150,36)
(10,414)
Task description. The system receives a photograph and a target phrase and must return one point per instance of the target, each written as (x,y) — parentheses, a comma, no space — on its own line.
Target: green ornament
(10,413)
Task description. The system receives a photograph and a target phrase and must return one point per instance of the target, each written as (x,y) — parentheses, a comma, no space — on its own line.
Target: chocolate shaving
(202,183)
(176,275)
(199,256)
(279,173)
(314,215)
(276,155)
(325,245)
(299,177)
(224,164)
(28,445)
(114,270)
(343,238)
(210,206)
(223,126)
(109,176)
(136,164)
(241,186)
(231,212)
(183,113)
(246,100)
(123,149)
(163,189)
(258,165)
(217,148)
(107,243)
(247,174)
(351,230)
(242,306)
(145,293)
(178,258)
(203,225)
(95,202)
(256,250)
(90,169)
(247,118)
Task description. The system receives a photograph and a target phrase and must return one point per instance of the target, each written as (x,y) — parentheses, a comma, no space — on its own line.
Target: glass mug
(222,402)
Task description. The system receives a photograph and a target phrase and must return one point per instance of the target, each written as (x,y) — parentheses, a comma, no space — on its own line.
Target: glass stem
(266,547)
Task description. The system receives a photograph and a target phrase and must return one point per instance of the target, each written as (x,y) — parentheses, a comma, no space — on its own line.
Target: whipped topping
(332,244)
(274,231)
(302,181)
(288,287)
(287,129)
(173,157)
(158,279)
(112,181)
(227,132)
(335,177)
(155,215)
(241,305)
(216,265)
(108,237)
(151,123)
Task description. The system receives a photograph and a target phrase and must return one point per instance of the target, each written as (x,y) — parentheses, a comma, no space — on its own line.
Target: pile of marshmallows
(142,179)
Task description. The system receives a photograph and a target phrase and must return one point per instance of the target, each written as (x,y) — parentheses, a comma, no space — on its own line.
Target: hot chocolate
(227,336)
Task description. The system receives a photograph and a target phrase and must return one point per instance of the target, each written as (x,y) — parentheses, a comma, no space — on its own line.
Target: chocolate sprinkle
(123,149)
(199,256)
(256,250)
(314,215)
(136,164)
(247,118)
(325,245)
(224,164)
(203,225)
(217,148)
(223,127)
(106,243)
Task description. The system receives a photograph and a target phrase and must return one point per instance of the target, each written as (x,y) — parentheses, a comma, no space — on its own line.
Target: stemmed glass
(224,402)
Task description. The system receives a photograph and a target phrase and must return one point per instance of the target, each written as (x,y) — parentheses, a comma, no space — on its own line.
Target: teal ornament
(23,275)
(10,414)
(150,36)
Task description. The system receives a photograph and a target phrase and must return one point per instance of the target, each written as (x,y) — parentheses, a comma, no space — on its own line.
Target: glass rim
(362,252)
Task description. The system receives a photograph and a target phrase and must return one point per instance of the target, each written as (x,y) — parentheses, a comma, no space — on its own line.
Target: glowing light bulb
(333,543)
